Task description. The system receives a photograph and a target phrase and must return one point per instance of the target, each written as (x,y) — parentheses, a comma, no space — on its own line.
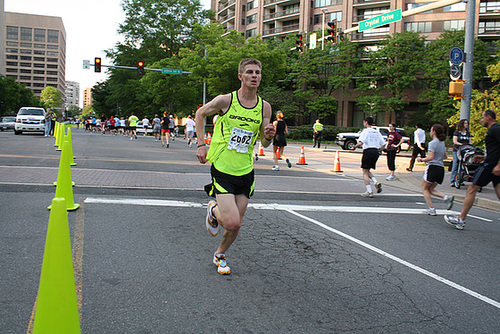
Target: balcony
(370,3)
(225,5)
(285,13)
(280,30)
(225,18)
(271,2)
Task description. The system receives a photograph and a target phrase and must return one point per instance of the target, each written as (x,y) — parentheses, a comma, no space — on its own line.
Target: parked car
(140,128)
(348,140)
(30,119)
(7,123)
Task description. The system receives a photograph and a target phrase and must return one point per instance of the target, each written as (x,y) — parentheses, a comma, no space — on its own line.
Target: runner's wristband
(202,145)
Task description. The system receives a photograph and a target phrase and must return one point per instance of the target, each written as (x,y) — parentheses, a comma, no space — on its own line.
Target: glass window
(39,65)
(39,46)
(52,47)
(25,71)
(52,60)
(38,72)
(250,5)
(251,18)
(52,53)
(251,33)
(51,79)
(26,51)
(11,63)
(26,45)
(25,57)
(25,77)
(52,72)
(12,44)
(38,52)
(458,7)
(26,34)
(51,66)
(13,57)
(326,3)
(12,32)
(418,26)
(39,35)
(11,70)
(11,50)
(53,36)
(25,64)
(39,59)
(336,16)
(454,25)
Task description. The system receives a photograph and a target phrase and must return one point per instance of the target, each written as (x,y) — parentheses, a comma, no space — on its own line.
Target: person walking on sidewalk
(460,136)
(317,130)
(279,140)
(230,154)
(418,145)
(488,171)
(434,173)
(393,143)
(372,142)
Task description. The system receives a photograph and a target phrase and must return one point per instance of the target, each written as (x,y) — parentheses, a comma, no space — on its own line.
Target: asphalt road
(312,256)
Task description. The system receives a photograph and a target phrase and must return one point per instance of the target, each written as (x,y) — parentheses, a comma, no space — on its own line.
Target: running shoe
(367,194)
(276,168)
(391,178)
(378,185)
(220,262)
(455,221)
(211,221)
(430,212)
(449,201)
(288,163)
(168,145)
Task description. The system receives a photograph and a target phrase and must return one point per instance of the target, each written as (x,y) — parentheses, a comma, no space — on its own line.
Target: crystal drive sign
(380,20)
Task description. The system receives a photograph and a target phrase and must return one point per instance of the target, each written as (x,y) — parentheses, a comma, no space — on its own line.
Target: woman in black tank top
(279,140)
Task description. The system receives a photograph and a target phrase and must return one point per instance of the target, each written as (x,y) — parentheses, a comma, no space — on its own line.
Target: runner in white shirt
(372,142)
(190,129)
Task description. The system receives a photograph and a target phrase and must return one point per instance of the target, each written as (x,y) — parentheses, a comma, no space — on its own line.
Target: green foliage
(305,132)
(51,98)
(14,95)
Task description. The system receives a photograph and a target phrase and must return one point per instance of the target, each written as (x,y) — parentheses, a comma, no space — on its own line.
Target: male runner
(242,116)
(488,171)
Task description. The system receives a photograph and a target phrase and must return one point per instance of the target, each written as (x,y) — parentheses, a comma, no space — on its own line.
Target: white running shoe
(391,178)
(220,262)
(367,194)
(211,221)
(455,221)
(276,168)
(449,201)
(430,212)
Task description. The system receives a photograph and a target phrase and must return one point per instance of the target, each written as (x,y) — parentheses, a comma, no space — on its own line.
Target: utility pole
(469,58)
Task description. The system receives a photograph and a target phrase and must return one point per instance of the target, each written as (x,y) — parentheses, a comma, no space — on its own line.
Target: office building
(279,18)
(34,50)
(72,94)
(87,97)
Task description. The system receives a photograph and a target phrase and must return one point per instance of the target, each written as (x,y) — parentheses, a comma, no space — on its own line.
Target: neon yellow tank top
(235,133)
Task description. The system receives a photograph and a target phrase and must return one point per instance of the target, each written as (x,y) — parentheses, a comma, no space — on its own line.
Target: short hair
(439,130)
(490,113)
(248,61)
(279,114)
(419,125)
(393,124)
(369,120)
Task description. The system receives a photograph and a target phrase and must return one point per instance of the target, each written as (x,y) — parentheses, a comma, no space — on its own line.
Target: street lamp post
(323,32)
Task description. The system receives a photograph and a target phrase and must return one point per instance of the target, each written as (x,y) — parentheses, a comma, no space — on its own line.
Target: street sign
(456,56)
(171,71)
(86,64)
(455,72)
(312,41)
(380,20)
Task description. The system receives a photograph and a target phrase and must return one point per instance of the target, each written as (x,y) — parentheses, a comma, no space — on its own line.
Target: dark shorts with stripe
(484,175)
(434,174)
(369,159)
(223,183)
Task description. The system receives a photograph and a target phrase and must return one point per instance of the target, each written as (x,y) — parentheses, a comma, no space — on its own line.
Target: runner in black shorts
(488,172)
(223,183)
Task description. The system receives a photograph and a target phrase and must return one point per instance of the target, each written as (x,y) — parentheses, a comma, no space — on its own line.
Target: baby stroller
(466,164)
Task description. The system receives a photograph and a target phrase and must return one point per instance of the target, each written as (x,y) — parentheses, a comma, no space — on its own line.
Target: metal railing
(279,30)
(281,14)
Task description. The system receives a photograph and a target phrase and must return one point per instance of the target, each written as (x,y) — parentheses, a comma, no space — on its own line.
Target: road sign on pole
(455,72)
(86,64)
(171,71)
(456,56)
(380,20)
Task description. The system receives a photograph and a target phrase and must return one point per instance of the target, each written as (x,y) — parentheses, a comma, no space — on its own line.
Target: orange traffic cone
(278,154)
(209,138)
(302,157)
(261,149)
(336,164)
(205,137)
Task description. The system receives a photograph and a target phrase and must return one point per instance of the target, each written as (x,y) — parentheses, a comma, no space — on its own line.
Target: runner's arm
(267,130)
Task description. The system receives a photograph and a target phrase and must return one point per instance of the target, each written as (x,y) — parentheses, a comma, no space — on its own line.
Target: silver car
(7,123)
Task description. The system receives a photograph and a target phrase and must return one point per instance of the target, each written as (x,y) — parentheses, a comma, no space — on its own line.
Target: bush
(305,132)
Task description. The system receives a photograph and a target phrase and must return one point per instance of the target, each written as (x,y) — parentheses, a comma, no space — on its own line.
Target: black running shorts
(369,159)
(434,174)
(223,183)
(484,175)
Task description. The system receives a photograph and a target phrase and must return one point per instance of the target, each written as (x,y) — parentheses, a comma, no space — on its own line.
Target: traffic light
(97,64)
(300,43)
(332,32)
(140,68)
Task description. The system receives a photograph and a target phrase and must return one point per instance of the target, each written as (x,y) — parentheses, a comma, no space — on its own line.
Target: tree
(14,95)
(389,71)
(51,98)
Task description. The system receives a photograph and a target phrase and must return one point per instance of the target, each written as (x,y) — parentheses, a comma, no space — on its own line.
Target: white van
(30,119)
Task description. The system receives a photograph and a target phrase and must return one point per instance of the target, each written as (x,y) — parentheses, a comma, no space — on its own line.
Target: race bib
(240,140)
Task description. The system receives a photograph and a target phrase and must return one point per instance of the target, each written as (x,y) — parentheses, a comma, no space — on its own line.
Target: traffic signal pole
(469,59)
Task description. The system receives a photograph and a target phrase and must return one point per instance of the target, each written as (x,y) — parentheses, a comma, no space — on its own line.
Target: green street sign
(171,71)
(380,20)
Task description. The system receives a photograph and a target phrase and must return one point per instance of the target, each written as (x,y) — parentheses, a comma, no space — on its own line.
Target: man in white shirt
(190,125)
(418,145)
(372,142)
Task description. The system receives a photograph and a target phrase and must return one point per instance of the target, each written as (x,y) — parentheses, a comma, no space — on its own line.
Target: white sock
(374,180)
(369,188)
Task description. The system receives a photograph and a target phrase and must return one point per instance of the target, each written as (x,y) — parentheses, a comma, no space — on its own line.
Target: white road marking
(292,208)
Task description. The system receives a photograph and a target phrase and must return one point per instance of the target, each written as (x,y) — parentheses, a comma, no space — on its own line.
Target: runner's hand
(201,154)
(269,131)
